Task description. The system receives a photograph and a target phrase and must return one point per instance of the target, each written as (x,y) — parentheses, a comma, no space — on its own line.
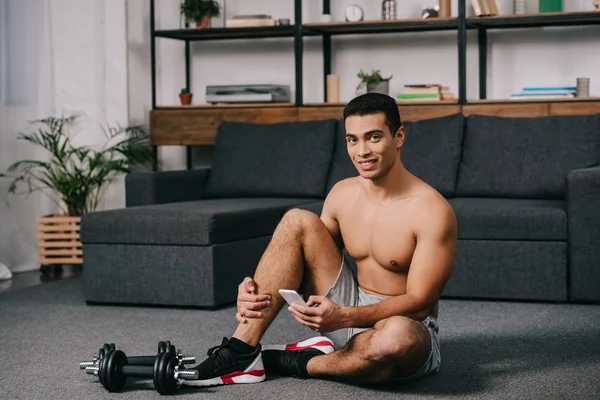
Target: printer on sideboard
(248,94)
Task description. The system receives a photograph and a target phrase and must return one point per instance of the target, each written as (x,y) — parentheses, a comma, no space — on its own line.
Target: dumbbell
(166,372)
(163,347)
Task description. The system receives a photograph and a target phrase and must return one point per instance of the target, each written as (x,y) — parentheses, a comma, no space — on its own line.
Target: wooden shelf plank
(400,103)
(556,100)
(534,20)
(188,126)
(379,26)
(518,109)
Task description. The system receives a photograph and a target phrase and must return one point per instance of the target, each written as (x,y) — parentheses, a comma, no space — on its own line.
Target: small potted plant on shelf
(374,82)
(74,178)
(199,12)
(185,96)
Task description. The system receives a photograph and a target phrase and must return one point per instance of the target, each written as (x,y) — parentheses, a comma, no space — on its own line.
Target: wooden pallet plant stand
(59,241)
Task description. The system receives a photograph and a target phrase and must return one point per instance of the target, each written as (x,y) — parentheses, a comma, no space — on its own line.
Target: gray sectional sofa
(526,193)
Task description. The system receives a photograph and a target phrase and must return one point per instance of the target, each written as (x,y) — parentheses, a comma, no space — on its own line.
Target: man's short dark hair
(373,103)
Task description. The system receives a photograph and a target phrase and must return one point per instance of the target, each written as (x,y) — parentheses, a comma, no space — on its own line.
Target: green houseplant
(373,81)
(76,176)
(185,96)
(199,12)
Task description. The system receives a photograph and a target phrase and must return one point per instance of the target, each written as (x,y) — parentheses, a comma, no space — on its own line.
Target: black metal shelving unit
(483,24)
(461,24)
(298,31)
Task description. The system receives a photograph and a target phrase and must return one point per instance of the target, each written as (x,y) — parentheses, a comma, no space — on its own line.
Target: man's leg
(301,253)
(396,347)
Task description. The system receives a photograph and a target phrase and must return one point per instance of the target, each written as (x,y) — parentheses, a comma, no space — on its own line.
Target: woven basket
(59,240)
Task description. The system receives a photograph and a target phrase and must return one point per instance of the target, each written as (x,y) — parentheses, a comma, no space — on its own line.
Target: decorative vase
(379,87)
(186,98)
(518,7)
(59,241)
(550,6)
(204,23)
(388,10)
(333,88)
(445,9)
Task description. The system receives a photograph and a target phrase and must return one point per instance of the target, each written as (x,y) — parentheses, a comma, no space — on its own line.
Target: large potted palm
(75,178)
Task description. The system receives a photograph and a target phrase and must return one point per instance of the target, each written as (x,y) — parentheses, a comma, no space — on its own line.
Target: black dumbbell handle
(141,360)
(138,371)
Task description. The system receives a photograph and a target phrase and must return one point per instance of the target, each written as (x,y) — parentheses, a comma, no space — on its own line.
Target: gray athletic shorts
(346,293)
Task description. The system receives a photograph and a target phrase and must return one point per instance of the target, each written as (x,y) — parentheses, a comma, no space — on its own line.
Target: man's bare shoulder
(339,195)
(343,188)
(433,212)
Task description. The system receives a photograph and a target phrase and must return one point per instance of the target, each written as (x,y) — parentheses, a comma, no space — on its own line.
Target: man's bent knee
(397,339)
(298,218)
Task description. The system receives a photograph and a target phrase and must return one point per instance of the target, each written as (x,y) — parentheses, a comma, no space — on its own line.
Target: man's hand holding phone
(319,313)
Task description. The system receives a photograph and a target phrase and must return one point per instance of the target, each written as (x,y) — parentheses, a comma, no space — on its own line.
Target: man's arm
(328,214)
(429,271)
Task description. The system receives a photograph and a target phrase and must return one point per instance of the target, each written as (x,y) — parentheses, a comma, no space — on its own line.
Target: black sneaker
(225,366)
(291,359)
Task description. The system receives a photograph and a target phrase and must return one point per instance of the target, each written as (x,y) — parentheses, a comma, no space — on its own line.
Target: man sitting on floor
(379,324)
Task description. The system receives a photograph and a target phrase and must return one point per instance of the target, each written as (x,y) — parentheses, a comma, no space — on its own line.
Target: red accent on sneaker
(229,377)
(294,346)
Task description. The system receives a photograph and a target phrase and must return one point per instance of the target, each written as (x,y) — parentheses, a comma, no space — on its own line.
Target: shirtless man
(381,321)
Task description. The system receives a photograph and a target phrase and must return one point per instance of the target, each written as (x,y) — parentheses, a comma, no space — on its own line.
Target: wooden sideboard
(197,125)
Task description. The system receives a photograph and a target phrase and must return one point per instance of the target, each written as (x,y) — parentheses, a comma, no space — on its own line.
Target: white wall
(25,97)
(75,56)
(93,58)
(516,58)
(542,56)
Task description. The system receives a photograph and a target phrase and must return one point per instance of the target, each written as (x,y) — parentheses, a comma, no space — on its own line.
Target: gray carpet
(490,350)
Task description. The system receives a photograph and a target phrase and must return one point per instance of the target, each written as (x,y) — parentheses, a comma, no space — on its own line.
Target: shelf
(534,20)
(555,100)
(407,25)
(227,33)
(226,105)
(400,103)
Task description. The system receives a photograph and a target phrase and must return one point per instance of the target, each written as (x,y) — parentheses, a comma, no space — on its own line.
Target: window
(3,52)
(20,21)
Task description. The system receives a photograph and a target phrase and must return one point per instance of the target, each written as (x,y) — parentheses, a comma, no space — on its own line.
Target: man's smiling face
(371,146)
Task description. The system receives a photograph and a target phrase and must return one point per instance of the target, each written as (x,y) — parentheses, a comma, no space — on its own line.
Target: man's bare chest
(385,235)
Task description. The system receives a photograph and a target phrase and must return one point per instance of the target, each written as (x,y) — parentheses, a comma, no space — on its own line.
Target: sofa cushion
(432,150)
(314,207)
(271,160)
(194,223)
(526,157)
(510,219)
(341,166)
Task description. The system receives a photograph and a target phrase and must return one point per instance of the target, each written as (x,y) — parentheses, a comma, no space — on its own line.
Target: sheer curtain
(26,93)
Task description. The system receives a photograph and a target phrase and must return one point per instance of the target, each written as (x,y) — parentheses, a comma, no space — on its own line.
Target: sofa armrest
(583,211)
(146,188)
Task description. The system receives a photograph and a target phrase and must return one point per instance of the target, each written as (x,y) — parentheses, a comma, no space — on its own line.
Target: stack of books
(545,92)
(426,92)
(243,21)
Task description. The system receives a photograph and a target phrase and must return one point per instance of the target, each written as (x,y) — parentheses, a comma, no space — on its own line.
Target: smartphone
(291,296)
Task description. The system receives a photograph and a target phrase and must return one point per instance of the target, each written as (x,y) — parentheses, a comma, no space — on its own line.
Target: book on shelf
(243,21)
(545,92)
(485,8)
(426,92)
